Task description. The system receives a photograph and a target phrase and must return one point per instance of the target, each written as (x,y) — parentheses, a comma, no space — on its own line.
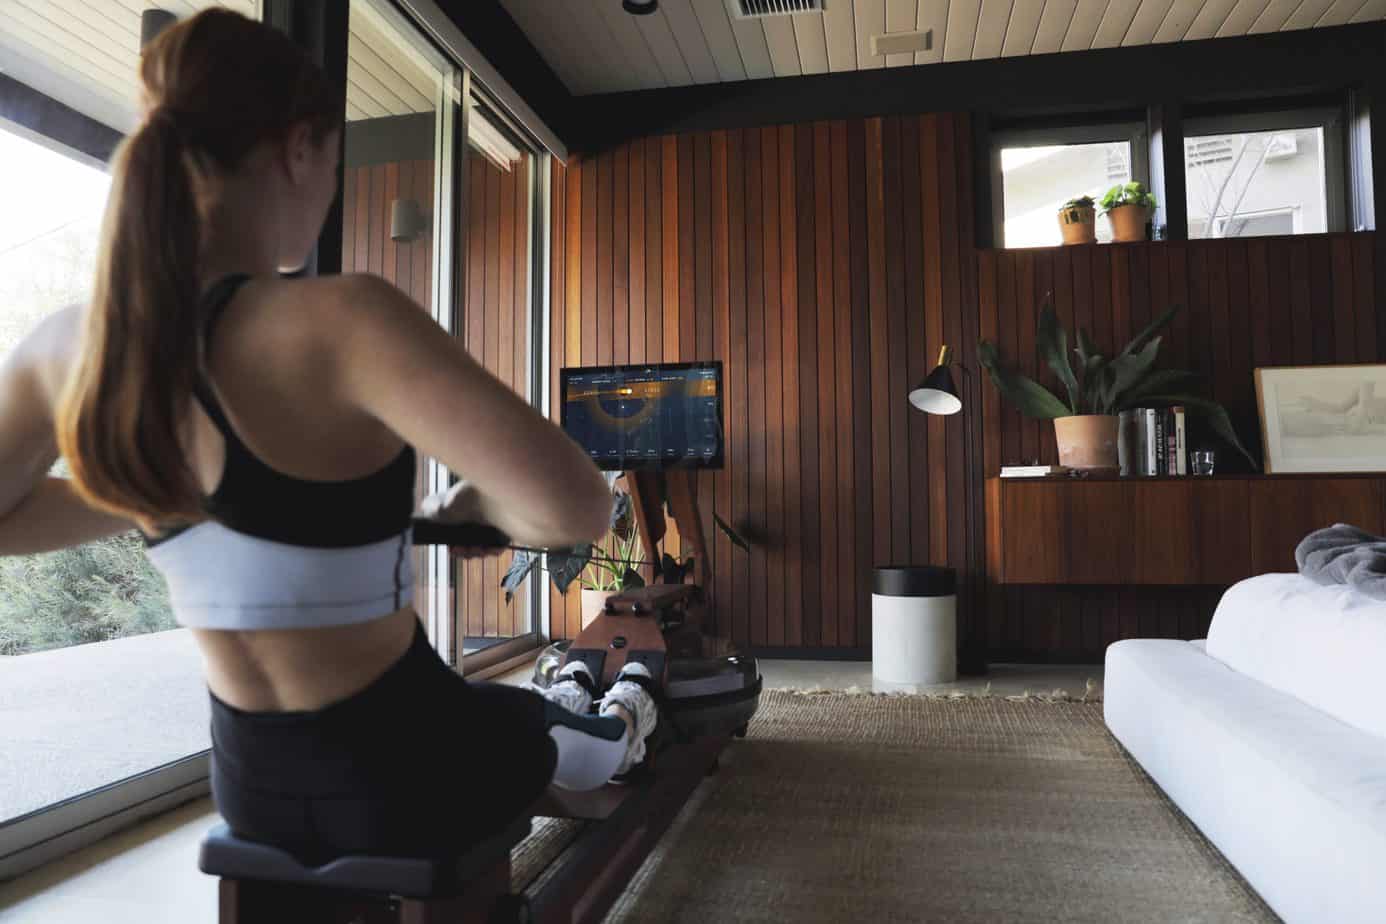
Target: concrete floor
(148,874)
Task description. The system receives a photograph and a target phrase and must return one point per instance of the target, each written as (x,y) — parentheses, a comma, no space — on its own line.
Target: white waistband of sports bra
(222,579)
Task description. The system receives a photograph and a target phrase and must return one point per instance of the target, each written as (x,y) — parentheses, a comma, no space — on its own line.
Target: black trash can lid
(914,581)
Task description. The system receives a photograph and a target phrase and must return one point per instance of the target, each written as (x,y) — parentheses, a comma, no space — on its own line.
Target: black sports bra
(280,552)
(255,499)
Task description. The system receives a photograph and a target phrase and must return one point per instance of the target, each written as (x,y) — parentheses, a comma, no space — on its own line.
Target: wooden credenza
(1214,531)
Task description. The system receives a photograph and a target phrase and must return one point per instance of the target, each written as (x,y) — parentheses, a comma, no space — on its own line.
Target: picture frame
(1323,418)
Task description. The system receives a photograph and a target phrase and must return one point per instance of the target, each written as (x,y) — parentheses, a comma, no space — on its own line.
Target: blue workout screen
(646,417)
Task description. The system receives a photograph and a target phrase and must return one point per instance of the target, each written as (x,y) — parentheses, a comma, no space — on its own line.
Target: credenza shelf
(1165,531)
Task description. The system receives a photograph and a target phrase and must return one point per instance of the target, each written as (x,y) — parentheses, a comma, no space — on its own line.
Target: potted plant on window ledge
(1086,417)
(1078,221)
(1128,207)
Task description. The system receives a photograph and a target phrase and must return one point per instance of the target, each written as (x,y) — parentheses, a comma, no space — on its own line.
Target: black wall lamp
(640,7)
(937,394)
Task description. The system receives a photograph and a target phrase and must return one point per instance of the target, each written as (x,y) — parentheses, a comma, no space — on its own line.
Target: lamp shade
(937,394)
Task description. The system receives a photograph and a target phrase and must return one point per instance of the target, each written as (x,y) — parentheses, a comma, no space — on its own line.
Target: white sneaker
(567,691)
(637,701)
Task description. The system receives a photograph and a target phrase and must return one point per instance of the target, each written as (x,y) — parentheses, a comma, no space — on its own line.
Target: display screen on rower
(632,418)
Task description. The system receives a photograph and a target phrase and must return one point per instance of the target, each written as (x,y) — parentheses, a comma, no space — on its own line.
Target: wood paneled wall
(495,321)
(1248,303)
(823,263)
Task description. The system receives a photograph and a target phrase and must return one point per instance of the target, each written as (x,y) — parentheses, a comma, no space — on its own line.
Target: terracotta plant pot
(1079,225)
(593,602)
(1128,222)
(1088,442)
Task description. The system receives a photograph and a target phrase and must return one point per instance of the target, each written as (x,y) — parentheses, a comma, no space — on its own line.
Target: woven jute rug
(862,808)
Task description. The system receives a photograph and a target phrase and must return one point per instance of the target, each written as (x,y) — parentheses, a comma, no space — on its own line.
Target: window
(404,188)
(398,211)
(1266,173)
(499,189)
(1036,171)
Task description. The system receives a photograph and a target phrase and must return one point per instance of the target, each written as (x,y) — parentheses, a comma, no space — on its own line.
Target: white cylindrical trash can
(914,625)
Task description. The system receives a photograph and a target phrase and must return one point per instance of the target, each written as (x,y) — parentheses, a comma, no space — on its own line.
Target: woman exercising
(262,433)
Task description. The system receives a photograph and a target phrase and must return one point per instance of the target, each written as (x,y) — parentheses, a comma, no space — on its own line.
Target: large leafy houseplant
(1100,384)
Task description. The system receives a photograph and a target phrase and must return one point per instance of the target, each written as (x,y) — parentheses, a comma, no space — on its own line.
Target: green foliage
(1132,193)
(90,593)
(1082,202)
(1101,385)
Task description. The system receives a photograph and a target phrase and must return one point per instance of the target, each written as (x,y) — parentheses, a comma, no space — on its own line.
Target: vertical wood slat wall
(495,326)
(496,311)
(823,264)
(1248,303)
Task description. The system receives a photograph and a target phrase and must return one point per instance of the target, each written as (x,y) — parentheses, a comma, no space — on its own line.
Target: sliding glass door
(499,192)
(402,108)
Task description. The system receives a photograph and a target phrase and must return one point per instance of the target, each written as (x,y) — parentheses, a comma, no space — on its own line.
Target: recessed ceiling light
(640,7)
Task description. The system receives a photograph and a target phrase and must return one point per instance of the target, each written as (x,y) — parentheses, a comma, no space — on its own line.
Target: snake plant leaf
(1127,371)
(1159,382)
(1209,411)
(1030,397)
(1084,347)
(521,566)
(565,565)
(730,533)
(1052,342)
(1151,329)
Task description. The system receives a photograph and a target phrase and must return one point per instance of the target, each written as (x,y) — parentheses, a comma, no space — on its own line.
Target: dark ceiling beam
(489,27)
(45,117)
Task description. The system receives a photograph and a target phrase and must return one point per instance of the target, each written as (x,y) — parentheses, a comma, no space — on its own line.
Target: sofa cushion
(1323,645)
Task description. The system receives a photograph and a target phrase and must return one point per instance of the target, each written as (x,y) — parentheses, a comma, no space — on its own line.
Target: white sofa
(1271,737)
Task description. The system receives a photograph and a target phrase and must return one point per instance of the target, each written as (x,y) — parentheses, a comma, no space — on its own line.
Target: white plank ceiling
(85,53)
(596,47)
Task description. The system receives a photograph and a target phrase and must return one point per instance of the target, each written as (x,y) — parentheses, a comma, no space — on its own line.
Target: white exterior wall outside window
(1254,183)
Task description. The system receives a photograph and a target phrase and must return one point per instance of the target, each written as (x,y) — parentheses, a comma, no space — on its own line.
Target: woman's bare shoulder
(45,357)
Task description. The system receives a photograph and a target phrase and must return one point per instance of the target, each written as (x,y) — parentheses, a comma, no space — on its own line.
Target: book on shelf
(1153,442)
(1031,471)
(1181,449)
(1150,462)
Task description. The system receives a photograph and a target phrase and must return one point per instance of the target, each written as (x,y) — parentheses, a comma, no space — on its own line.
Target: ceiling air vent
(756,9)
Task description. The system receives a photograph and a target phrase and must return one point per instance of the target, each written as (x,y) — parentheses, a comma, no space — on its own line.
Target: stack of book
(1032,471)
(1152,442)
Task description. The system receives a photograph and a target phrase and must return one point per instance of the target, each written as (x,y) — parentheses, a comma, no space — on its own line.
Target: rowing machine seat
(254,875)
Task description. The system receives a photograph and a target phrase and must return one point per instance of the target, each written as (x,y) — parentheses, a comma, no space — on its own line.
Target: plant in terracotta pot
(1078,221)
(1128,206)
(1086,415)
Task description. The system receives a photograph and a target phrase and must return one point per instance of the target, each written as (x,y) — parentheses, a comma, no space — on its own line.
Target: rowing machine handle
(461,535)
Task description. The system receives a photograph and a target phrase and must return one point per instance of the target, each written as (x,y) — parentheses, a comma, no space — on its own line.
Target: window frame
(1133,131)
(1333,121)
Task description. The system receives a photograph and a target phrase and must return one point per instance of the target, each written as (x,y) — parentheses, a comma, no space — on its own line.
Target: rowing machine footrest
(594,658)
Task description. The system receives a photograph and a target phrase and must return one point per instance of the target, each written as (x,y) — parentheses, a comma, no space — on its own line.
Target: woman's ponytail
(120,424)
(221,84)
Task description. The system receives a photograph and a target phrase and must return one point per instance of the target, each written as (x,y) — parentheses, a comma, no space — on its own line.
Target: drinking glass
(1203,460)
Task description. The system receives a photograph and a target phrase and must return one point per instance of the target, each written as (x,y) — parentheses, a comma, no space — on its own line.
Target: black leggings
(419,763)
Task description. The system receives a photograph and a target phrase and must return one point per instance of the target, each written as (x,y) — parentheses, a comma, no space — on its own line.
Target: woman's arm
(532,481)
(52,516)
(39,513)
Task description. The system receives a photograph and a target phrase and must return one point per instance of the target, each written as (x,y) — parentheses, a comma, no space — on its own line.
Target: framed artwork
(1323,418)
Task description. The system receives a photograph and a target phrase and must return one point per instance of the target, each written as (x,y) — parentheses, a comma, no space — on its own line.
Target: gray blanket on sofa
(1343,554)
